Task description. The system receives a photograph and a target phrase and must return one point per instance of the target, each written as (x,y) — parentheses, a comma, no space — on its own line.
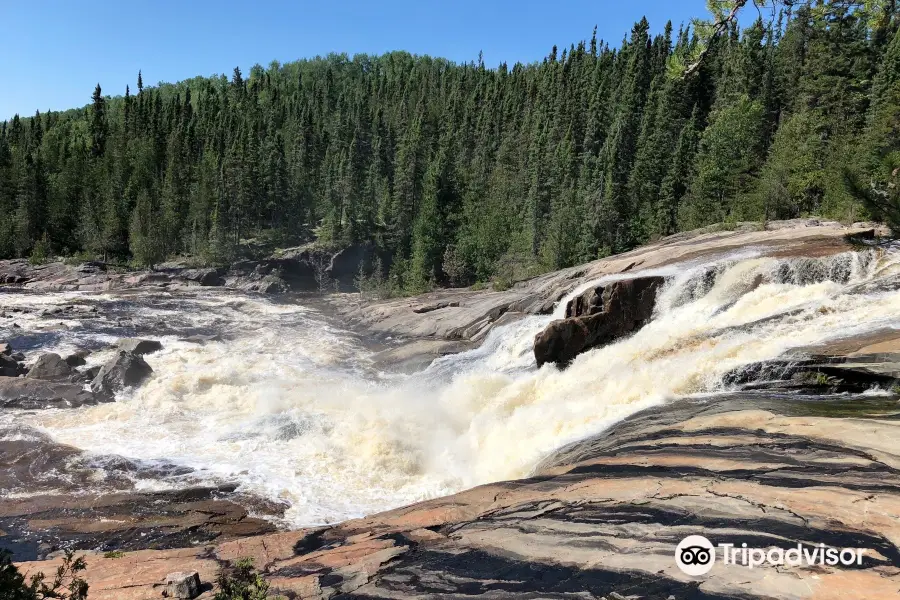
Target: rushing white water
(292,409)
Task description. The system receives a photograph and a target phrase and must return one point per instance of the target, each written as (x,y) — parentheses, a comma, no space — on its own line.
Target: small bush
(114,554)
(40,253)
(241,582)
(66,585)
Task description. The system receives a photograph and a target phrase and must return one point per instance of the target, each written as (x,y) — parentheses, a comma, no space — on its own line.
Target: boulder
(77,358)
(272,284)
(9,367)
(184,585)
(5,348)
(138,346)
(51,367)
(597,317)
(123,370)
(207,277)
(27,393)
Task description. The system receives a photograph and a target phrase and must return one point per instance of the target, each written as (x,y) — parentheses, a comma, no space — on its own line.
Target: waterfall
(292,409)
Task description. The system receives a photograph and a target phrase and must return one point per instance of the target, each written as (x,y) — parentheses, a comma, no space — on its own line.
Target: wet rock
(208,277)
(138,346)
(272,284)
(91,373)
(597,317)
(9,367)
(185,585)
(51,367)
(122,371)
(5,348)
(27,393)
(18,357)
(77,359)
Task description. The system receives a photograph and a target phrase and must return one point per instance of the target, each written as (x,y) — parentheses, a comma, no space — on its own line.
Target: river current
(292,407)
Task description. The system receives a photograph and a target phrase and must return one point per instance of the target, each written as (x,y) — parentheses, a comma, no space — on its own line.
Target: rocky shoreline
(601,517)
(785,458)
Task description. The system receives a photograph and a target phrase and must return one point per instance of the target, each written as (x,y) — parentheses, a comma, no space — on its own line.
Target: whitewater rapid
(293,409)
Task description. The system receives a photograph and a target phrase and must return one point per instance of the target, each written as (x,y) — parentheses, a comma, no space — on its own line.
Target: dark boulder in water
(122,371)
(138,346)
(597,317)
(77,358)
(9,367)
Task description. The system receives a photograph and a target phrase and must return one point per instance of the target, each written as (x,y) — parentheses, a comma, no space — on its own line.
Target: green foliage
(65,585)
(241,582)
(460,173)
(373,284)
(41,251)
(113,554)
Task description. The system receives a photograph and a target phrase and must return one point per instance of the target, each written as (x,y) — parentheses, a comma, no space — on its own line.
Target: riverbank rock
(602,517)
(51,367)
(23,392)
(122,371)
(139,347)
(597,317)
(206,277)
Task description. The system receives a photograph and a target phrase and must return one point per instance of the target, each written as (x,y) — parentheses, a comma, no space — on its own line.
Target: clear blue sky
(52,53)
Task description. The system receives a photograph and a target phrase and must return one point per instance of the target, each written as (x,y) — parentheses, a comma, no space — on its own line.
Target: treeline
(460,173)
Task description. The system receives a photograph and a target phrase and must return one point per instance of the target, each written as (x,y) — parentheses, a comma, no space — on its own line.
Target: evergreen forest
(462,173)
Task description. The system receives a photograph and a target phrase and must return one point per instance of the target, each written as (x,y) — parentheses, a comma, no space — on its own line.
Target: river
(293,407)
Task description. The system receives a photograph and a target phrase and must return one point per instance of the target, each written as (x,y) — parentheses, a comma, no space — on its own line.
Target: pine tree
(98,123)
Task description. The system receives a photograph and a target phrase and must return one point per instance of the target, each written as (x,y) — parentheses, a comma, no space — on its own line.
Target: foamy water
(292,409)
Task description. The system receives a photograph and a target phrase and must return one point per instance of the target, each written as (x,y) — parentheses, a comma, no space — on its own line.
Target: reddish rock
(597,317)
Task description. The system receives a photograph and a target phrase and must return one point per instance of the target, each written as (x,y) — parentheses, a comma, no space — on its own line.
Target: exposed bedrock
(597,317)
(43,507)
(302,269)
(602,517)
(27,393)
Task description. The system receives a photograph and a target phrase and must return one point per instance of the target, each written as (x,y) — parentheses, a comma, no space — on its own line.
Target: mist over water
(293,409)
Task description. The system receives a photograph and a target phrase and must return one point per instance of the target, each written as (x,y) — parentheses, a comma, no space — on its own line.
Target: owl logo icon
(695,555)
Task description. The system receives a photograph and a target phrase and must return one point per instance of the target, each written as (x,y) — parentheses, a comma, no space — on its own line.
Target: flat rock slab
(36,394)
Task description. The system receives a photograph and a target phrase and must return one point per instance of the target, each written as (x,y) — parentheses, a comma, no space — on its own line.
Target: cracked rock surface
(603,516)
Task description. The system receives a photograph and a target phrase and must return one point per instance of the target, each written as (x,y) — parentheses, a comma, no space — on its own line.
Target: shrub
(241,582)
(40,253)
(66,585)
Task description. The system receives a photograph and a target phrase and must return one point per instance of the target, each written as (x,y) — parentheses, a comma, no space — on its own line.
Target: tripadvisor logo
(695,555)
